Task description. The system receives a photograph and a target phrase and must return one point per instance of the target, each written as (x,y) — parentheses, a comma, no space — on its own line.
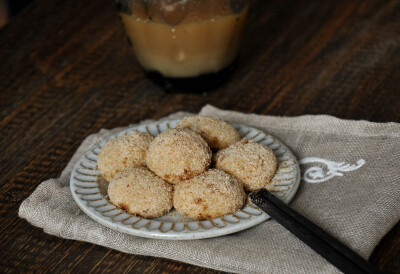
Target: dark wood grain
(66,71)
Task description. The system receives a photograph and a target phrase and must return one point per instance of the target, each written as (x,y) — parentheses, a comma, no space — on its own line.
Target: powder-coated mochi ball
(123,152)
(252,163)
(178,154)
(212,194)
(138,191)
(217,133)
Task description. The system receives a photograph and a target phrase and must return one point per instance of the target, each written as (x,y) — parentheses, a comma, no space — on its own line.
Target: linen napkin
(350,188)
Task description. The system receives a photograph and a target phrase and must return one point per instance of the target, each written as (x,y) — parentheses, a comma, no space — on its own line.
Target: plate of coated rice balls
(183,179)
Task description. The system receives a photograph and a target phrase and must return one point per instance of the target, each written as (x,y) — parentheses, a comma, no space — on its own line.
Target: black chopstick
(324,244)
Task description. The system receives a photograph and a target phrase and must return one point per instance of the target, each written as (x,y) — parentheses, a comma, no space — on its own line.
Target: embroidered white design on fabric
(317,174)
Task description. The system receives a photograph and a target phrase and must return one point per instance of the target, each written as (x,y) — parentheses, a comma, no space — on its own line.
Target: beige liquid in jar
(187,49)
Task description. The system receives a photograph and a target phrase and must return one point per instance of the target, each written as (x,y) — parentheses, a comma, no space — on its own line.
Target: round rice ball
(210,195)
(178,154)
(252,163)
(138,191)
(217,133)
(123,152)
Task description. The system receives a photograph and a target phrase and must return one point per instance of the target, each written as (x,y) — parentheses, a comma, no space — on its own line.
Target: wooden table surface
(66,71)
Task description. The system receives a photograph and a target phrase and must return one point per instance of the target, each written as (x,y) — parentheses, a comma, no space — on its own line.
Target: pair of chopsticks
(324,244)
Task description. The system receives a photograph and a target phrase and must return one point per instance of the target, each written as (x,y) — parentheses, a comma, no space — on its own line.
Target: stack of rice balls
(149,175)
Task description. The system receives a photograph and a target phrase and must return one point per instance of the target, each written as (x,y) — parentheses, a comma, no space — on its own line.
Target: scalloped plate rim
(175,235)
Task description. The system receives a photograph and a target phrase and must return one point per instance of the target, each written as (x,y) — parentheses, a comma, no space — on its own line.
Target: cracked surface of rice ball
(252,163)
(123,152)
(178,154)
(210,195)
(217,133)
(138,191)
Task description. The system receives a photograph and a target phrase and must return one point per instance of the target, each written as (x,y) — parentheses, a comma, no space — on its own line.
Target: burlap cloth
(358,208)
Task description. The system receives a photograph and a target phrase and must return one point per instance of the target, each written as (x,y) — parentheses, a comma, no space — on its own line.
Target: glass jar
(184,41)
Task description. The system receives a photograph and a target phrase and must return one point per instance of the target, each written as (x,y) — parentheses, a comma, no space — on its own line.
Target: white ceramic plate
(89,191)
